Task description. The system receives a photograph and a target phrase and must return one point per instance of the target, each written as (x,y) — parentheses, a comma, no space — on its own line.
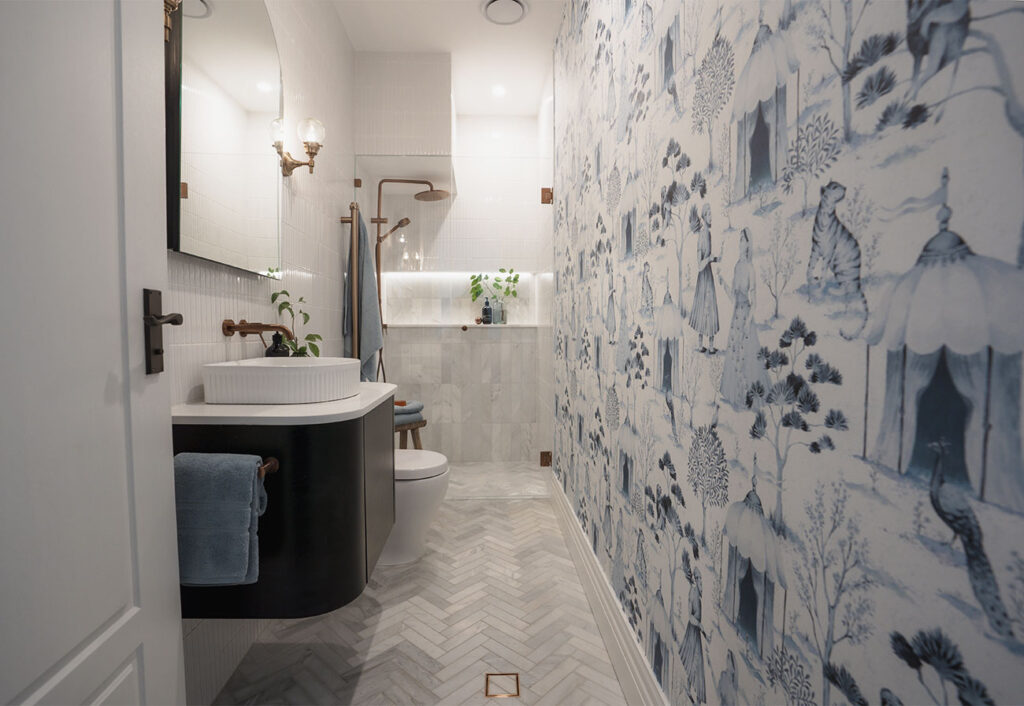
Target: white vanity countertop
(370,395)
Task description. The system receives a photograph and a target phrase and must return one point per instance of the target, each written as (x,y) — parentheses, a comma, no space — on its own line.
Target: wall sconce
(311,133)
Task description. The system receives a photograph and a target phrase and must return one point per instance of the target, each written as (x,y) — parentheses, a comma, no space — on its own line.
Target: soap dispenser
(277,349)
(486,316)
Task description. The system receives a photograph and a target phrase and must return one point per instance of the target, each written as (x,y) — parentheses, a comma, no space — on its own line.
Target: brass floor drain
(503,685)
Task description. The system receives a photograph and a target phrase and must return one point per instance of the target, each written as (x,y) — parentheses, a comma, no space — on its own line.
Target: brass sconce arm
(289,164)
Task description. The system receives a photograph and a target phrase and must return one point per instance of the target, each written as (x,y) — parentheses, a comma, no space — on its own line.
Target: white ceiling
(518,57)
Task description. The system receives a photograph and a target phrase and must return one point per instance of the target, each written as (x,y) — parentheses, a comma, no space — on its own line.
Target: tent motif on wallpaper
(953,368)
(754,571)
(759,111)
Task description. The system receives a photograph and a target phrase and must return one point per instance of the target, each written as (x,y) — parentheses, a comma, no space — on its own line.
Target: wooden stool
(404,429)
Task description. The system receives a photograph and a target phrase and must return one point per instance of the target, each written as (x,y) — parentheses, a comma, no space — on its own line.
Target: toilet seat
(418,464)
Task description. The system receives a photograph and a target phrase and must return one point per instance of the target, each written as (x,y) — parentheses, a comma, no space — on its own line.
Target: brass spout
(243,328)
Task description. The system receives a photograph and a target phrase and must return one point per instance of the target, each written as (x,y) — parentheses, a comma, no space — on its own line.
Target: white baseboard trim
(635,676)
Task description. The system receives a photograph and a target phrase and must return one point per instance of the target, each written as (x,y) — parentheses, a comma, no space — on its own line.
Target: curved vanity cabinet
(330,506)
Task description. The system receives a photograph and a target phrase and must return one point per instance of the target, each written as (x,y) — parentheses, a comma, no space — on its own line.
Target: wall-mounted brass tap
(243,328)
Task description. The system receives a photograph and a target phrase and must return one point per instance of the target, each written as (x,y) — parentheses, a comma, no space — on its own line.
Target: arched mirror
(223,88)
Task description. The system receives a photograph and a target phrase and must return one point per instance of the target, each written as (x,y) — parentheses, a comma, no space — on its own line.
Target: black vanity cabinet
(330,508)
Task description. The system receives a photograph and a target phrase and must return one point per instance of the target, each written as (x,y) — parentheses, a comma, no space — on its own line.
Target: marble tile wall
(479,387)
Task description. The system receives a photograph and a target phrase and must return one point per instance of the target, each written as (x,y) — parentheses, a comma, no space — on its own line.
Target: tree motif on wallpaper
(646,458)
(840,677)
(789,403)
(715,79)
(708,472)
(691,23)
(671,207)
(778,264)
(663,516)
(785,671)
(636,104)
(833,578)
(630,600)
(637,365)
(934,649)
(835,34)
(814,149)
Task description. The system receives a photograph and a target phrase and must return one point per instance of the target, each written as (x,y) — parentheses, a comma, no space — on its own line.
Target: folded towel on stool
(401,419)
(219,499)
(409,408)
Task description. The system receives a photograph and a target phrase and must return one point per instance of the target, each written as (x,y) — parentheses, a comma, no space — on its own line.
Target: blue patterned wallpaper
(788,340)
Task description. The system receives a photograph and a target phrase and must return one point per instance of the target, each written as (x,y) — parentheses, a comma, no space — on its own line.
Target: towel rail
(353,266)
(269,465)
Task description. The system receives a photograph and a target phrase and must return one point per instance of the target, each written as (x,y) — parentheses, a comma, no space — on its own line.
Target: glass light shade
(277,130)
(311,130)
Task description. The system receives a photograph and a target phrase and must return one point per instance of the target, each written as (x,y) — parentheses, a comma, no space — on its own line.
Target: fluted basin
(281,380)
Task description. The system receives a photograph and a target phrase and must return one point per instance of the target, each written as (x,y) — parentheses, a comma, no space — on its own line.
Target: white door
(89,609)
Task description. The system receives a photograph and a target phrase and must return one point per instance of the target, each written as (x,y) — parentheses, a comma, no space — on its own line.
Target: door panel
(87,535)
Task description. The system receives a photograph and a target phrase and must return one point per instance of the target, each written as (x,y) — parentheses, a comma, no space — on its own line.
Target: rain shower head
(432,194)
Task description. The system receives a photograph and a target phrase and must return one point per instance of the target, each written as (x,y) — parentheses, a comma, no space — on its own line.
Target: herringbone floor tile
(496,592)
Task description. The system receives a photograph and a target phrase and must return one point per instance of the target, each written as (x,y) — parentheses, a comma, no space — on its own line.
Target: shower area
(436,220)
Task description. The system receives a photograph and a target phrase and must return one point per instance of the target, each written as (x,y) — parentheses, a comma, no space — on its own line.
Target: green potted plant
(496,289)
(309,343)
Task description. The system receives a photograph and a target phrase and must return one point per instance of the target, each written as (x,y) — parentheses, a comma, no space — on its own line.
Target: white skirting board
(635,676)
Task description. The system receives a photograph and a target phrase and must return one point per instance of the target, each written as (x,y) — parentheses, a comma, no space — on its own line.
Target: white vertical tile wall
(403,103)
(317,76)
(494,220)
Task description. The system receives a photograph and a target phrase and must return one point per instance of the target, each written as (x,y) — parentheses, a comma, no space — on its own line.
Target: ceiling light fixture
(504,12)
(498,91)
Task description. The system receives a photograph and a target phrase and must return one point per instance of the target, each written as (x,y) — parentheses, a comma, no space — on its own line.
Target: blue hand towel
(409,408)
(219,499)
(371,330)
(408,418)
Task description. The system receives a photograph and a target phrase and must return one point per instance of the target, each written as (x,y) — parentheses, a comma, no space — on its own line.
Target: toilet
(421,480)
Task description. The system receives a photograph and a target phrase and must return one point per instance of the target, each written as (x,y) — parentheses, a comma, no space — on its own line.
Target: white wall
(316,64)
(403,103)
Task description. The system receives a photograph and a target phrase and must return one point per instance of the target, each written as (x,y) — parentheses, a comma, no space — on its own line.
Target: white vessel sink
(281,380)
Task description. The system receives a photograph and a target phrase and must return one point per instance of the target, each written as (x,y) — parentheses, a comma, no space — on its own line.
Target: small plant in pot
(496,289)
(308,344)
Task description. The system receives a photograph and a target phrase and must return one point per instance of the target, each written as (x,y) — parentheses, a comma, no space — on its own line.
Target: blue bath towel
(409,408)
(371,330)
(408,418)
(219,499)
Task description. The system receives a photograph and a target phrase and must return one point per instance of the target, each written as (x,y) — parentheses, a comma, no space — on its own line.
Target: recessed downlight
(498,91)
(504,12)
